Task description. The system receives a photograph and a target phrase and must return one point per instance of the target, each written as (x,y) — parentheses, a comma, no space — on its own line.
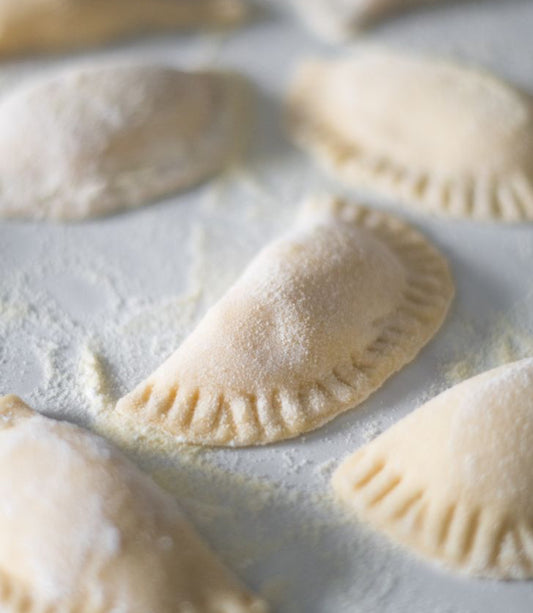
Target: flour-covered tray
(88,309)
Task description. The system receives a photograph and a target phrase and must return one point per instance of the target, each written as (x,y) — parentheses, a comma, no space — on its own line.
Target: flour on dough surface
(448,139)
(319,320)
(96,139)
(103,536)
(453,481)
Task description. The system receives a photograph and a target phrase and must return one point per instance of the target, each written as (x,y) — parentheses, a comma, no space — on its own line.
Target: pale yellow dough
(99,138)
(82,529)
(53,25)
(337,20)
(448,139)
(453,481)
(319,320)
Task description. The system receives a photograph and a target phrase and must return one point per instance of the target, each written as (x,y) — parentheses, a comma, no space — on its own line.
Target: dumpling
(52,25)
(319,320)
(82,529)
(97,139)
(448,139)
(453,481)
(337,20)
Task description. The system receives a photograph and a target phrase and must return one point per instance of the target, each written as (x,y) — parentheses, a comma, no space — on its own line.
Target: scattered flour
(507,341)
(92,377)
(87,311)
(268,511)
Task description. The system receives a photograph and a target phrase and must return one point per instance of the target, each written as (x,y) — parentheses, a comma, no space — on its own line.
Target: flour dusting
(88,310)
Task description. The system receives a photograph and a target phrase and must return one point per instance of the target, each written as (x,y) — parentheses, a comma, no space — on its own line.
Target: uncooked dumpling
(339,19)
(451,140)
(52,25)
(318,321)
(82,529)
(453,481)
(98,139)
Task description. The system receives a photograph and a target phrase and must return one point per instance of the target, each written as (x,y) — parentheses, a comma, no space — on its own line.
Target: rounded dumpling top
(81,527)
(427,112)
(99,138)
(448,138)
(319,319)
(454,479)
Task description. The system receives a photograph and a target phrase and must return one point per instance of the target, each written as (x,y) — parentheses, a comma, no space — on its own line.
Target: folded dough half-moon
(82,529)
(319,320)
(448,139)
(53,25)
(338,20)
(453,480)
(97,139)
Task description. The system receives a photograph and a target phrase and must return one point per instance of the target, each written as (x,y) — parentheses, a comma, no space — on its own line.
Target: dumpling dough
(336,20)
(82,529)
(52,25)
(98,139)
(448,139)
(453,481)
(319,320)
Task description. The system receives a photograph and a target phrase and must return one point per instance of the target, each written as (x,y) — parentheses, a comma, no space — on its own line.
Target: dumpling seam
(428,288)
(507,198)
(382,496)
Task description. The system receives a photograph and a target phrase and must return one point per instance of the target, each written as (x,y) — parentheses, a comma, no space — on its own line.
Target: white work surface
(89,309)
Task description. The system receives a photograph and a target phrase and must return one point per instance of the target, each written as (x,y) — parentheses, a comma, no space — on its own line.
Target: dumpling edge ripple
(447,139)
(263,365)
(451,481)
